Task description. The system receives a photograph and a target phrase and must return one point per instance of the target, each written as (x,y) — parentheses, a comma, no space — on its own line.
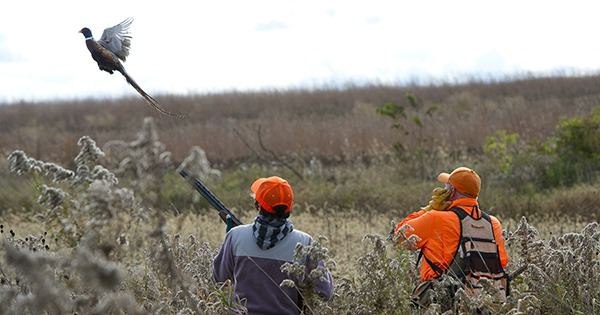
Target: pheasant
(112,46)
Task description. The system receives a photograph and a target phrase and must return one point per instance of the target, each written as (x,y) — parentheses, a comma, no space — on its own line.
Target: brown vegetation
(331,124)
(76,239)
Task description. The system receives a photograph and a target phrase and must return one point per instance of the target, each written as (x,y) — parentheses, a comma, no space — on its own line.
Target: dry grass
(91,247)
(368,277)
(87,245)
(331,124)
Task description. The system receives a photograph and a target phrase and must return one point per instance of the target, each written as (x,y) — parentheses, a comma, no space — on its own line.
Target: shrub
(577,150)
(570,156)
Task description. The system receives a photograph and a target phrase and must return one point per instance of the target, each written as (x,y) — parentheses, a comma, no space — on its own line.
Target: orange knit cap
(464,180)
(273,191)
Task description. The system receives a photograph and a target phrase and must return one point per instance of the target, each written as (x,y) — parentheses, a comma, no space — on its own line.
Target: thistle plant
(310,265)
(52,197)
(43,282)
(381,284)
(20,163)
(524,238)
(87,198)
(39,292)
(562,272)
(144,161)
(89,152)
(96,272)
(85,161)
(183,267)
(141,157)
(198,165)
(488,300)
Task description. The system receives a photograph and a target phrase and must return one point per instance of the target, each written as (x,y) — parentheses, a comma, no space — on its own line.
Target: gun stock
(210,197)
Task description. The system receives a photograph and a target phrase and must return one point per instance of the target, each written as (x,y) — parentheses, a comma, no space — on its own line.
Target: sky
(187,47)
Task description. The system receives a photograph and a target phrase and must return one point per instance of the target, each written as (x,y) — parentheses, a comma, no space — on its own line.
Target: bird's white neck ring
(89,38)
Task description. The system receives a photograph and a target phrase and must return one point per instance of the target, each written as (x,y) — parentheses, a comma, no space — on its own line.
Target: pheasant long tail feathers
(114,45)
(149,98)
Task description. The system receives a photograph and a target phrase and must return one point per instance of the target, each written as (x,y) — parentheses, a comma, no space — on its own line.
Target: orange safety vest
(440,231)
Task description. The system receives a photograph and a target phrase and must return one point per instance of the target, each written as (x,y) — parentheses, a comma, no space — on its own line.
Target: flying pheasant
(112,46)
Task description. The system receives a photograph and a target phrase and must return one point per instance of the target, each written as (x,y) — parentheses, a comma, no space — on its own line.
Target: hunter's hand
(400,238)
(229,223)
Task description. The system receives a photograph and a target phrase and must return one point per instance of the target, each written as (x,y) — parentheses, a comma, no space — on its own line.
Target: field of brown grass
(119,231)
(331,124)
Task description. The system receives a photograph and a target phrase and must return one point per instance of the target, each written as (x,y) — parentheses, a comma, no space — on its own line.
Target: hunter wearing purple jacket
(252,254)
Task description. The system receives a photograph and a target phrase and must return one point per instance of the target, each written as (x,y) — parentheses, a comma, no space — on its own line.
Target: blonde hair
(439,199)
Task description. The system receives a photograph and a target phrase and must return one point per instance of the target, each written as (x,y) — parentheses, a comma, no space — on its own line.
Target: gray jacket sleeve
(223,262)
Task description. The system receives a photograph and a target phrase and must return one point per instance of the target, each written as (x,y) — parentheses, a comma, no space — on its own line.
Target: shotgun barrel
(210,197)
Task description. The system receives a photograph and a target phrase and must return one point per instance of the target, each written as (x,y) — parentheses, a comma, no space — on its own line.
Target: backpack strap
(463,214)
(460,213)
(486,217)
(433,266)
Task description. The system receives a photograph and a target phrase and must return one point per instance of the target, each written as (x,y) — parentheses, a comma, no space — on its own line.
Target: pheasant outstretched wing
(117,39)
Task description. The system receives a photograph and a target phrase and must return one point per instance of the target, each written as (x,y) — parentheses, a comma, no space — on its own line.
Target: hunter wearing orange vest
(453,218)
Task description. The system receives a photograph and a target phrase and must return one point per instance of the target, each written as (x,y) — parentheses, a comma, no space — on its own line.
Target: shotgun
(517,272)
(210,197)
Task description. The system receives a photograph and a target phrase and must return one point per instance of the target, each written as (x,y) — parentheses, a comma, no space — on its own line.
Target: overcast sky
(207,46)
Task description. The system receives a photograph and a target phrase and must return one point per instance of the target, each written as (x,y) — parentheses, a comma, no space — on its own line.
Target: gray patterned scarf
(269,230)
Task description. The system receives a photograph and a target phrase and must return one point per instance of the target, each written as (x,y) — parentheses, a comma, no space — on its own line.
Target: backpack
(476,255)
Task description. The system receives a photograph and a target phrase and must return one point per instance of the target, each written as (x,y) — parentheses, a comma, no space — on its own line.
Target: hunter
(252,254)
(455,237)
